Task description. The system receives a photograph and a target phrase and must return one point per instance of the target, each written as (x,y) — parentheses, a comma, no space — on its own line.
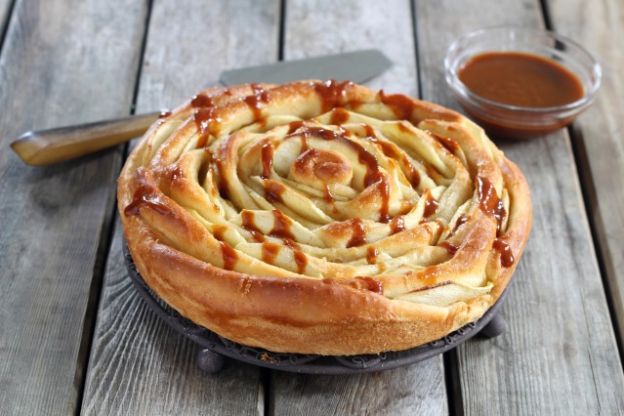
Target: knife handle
(45,147)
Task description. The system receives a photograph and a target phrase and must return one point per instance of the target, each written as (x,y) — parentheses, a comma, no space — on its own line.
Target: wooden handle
(40,148)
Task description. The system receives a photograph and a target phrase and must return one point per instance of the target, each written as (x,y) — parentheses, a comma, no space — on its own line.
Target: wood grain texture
(315,28)
(559,354)
(191,42)
(599,26)
(138,365)
(414,390)
(62,62)
(320,27)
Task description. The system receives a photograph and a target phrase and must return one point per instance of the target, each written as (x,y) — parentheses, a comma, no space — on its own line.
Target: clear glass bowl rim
(459,87)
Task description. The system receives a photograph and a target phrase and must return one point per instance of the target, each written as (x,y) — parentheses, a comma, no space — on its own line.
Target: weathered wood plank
(61,63)
(321,27)
(138,365)
(599,26)
(559,354)
(414,390)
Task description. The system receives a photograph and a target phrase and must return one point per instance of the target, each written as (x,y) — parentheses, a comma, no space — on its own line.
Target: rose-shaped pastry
(323,217)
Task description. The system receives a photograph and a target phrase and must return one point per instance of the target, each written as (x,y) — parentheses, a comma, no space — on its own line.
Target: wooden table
(76,338)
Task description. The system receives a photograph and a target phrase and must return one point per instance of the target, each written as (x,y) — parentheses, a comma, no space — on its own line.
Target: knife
(359,66)
(45,147)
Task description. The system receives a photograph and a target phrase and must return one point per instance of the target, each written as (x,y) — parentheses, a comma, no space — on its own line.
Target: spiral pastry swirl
(323,217)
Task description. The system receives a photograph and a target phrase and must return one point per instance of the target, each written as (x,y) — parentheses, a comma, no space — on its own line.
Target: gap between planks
(526,375)
(105,242)
(6,13)
(156,87)
(590,201)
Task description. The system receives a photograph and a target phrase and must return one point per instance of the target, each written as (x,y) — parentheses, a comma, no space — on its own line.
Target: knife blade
(45,147)
(357,66)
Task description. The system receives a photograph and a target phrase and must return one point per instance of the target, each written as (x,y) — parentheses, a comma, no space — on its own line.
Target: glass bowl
(512,121)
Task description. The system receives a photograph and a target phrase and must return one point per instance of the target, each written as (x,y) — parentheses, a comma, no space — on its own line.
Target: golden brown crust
(323,217)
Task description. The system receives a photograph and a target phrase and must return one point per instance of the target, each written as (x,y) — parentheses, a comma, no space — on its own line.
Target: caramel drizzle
(431,206)
(204,117)
(358,235)
(384,189)
(506,255)
(270,252)
(301,260)
(294,126)
(304,144)
(281,226)
(248,220)
(339,116)
(489,202)
(145,196)
(397,224)
(367,283)
(450,247)
(387,148)
(492,205)
(281,229)
(228,253)
(332,93)
(451,145)
(371,255)
(229,256)
(273,191)
(369,131)
(327,196)
(257,101)
(413,175)
(267,160)
(460,221)
(401,105)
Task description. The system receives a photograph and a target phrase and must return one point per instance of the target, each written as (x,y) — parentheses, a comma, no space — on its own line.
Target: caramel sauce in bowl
(521,83)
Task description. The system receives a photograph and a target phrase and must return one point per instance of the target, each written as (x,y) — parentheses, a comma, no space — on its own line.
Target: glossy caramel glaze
(521,79)
(526,81)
